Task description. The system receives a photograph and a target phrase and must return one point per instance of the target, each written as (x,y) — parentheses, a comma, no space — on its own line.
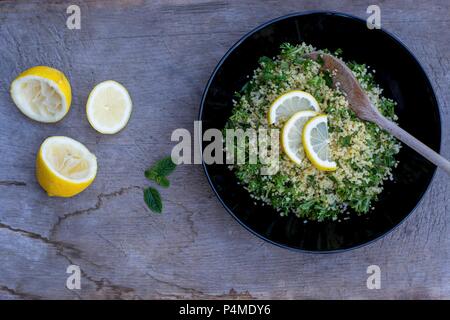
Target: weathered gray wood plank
(164,52)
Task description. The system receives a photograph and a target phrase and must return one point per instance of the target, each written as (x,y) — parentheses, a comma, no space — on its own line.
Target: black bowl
(399,74)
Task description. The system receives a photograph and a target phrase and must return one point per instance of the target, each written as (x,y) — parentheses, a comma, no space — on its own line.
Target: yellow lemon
(315,140)
(291,135)
(109,106)
(42,93)
(64,166)
(289,103)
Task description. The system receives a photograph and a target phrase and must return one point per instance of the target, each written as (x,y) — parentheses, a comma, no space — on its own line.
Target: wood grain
(164,52)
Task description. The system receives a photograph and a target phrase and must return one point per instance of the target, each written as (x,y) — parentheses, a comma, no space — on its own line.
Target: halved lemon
(64,166)
(109,107)
(289,103)
(291,136)
(42,93)
(315,141)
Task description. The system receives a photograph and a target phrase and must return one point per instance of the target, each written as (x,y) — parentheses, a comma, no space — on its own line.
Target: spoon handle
(415,144)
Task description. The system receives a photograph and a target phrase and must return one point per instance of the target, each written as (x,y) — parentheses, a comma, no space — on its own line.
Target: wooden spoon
(359,102)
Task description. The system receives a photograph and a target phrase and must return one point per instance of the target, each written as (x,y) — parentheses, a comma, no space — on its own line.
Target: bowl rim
(237,44)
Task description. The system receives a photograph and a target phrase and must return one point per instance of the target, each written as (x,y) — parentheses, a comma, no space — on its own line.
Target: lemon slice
(315,142)
(42,94)
(289,103)
(108,107)
(291,136)
(64,166)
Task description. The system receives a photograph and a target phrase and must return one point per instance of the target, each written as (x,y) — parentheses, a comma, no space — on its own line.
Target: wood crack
(108,289)
(198,294)
(99,203)
(104,285)
(58,245)
(30,234)
(9,183)
(19,294)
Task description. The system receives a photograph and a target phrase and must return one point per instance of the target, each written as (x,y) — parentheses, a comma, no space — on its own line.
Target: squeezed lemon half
(315,141)
(42,93)
(64,166)
(289,103)
(109,106)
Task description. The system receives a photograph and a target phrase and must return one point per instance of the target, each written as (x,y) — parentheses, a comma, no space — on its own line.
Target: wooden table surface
(164,53)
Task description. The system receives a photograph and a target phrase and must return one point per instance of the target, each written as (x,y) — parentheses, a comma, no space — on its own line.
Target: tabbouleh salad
(364,153)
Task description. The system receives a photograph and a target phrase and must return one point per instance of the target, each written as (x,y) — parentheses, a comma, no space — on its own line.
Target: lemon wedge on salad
(315,141)
(289,103)
(291,136)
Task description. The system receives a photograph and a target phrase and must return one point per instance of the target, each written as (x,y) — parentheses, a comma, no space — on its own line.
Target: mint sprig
(160,170)
(158,173)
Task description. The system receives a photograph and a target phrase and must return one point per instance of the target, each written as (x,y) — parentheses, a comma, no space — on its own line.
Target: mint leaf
(153,199)
(162,168)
